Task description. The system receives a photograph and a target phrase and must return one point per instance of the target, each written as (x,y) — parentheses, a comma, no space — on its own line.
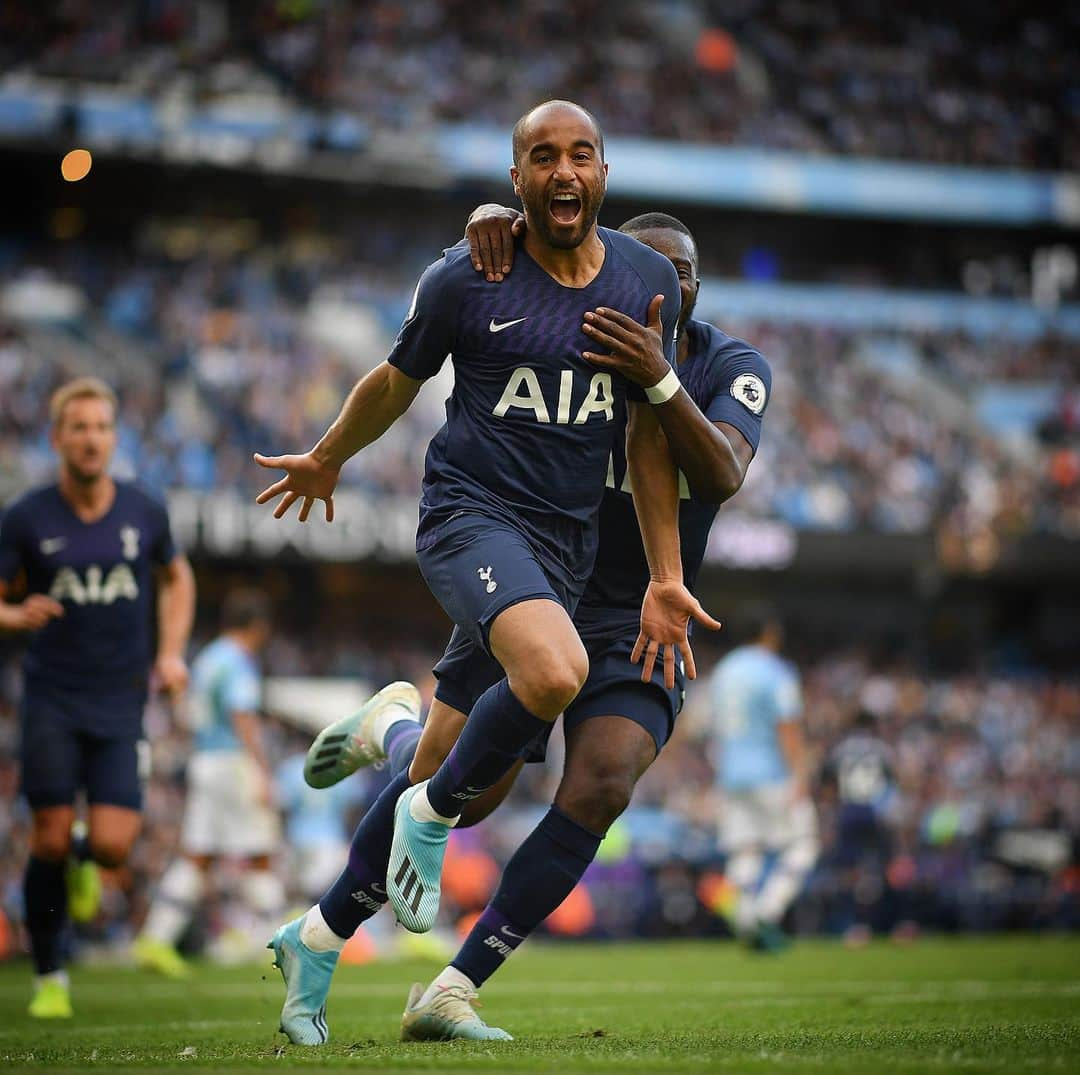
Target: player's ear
(514,176)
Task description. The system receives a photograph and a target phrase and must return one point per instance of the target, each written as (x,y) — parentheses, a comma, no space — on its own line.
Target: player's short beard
(536,204)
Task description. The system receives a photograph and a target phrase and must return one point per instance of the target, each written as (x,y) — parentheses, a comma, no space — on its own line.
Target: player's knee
(51,844)
(109,851)
(596,805)
(551,682)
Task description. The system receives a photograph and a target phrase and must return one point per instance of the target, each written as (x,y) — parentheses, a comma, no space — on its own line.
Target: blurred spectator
(867,430)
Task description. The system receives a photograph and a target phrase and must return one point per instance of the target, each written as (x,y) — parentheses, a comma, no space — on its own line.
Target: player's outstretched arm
(176,613)
(376,402)
(491,232)
(668,604)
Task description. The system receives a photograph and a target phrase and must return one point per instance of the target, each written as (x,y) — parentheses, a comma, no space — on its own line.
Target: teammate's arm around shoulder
(491,231)
(668,604)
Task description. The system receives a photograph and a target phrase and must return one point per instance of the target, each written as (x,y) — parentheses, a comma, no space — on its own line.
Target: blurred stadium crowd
(972,830)
(958,83)
(869,429)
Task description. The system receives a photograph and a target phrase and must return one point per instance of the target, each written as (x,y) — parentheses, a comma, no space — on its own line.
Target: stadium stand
(867,79)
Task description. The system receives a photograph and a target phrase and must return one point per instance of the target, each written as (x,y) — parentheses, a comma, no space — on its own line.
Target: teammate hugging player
(88,547)
(508,517)
(619,720)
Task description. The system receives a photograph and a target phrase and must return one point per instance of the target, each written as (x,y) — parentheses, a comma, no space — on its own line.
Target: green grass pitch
(958,1005)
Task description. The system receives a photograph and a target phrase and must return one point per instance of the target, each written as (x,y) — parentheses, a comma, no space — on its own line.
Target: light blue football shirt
(315,816)
(224,681)
(752,690)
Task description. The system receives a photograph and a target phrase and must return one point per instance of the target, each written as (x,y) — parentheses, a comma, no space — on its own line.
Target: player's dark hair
(517,140)
(751,622)
(654,222)
(242,608)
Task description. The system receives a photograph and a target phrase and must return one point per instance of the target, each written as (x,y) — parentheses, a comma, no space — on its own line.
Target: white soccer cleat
(351,743)
(448,1015)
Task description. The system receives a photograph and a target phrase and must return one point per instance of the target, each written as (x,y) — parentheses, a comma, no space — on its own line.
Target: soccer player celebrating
(769,827)
(508,516)
(88,548)
(620,720)
(230,803)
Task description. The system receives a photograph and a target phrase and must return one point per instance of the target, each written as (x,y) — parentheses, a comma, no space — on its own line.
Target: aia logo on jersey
(522,392)
(96,588)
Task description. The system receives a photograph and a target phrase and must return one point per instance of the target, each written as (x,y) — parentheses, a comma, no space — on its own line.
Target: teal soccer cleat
(414,877)
(307,977)
(350,743)
(448,1016)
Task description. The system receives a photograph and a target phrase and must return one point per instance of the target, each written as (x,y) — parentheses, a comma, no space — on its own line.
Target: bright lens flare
(76,165)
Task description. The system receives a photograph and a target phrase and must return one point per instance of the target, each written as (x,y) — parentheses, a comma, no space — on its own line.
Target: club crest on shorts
(749,390)
(485,574)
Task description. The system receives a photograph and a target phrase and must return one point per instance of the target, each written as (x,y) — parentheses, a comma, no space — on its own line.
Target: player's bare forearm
(29,615)
(176,607)
(714,457)
(655,485)
(249,732)
(376,402)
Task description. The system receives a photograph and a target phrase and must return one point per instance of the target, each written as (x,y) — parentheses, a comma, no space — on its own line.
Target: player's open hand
(636,351)
(170,675)
(665,614)
(491,232)
(32,614)
(306,477)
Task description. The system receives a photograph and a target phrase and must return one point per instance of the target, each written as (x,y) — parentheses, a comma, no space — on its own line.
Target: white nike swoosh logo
(51,545)
(377,888)
(494,327)
(507,931)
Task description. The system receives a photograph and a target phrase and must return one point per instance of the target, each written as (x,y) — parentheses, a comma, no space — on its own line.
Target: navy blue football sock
(361,889)
(80,847)
(498,729)
(399,744)
(542,873)
(45,898)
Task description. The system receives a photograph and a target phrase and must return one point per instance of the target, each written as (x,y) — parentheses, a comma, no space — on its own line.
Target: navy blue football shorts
(64,749)
(614,687)
(477,567)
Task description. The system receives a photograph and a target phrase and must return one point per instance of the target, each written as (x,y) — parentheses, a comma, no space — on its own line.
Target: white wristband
(664,389)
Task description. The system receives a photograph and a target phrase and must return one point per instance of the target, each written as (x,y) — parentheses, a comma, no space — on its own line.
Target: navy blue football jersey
(530,424)
(101,572)
(730,382)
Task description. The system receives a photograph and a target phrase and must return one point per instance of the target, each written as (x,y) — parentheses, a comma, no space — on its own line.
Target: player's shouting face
(559,172)
(84,437)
